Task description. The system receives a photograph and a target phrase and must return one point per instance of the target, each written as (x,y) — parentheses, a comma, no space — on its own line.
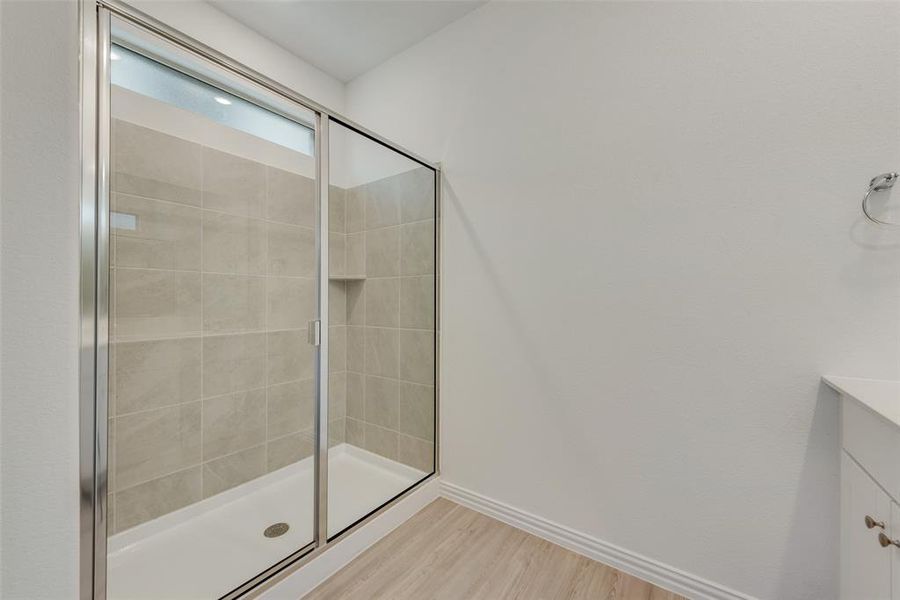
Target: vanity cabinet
(870,489)
(865,564)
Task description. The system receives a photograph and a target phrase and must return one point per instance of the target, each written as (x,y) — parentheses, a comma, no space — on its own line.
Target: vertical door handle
(314,332)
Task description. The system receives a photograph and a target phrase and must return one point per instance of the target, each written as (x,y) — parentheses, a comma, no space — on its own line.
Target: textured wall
(39,201)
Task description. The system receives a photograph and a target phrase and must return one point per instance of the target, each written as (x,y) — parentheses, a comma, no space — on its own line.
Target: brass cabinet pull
(870,523)
(885,541)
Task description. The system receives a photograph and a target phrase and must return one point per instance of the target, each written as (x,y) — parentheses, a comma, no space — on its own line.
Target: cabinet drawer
(873,442)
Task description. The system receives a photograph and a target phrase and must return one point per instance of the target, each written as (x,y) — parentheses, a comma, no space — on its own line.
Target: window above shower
(142,75)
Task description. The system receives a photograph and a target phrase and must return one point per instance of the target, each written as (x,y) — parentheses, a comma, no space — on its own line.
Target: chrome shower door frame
(95,23)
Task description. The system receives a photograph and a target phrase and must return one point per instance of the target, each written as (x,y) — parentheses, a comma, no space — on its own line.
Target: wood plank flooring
(448,552)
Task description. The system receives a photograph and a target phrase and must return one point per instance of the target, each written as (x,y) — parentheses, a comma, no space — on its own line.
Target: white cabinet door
(865,564)
(895,551)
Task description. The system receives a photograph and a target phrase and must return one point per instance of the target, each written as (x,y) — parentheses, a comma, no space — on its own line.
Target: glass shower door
(382,249)
(213,279)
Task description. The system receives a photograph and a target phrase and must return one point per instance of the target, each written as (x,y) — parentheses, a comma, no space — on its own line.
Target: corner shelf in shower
(347,278)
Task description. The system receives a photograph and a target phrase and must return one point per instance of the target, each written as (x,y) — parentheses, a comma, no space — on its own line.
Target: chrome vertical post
(438,338)
(87,301)
(322,178)
(102,302)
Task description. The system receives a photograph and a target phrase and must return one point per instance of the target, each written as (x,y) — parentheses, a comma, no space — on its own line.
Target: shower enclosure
(259,288)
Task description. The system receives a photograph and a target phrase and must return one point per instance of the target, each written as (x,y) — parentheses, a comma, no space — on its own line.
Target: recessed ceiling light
(113,55)
(222,100)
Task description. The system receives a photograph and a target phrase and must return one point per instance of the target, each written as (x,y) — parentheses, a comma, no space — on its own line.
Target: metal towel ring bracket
(885,181)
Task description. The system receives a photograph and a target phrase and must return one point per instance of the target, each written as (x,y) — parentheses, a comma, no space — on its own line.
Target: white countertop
(879,395)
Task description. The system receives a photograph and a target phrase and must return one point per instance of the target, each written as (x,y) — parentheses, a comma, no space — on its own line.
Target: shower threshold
(208,548)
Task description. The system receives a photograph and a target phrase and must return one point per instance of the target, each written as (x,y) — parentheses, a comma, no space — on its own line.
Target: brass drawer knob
(885,541)
(870,523)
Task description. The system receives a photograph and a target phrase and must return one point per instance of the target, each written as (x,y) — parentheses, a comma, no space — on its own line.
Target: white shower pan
(207,549)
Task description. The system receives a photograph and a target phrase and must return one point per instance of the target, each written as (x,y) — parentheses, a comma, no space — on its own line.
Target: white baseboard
(645,568)
(312,574)
(309,576)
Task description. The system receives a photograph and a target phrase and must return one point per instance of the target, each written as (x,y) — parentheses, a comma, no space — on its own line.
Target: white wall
(39,233)
(39,184)
(653,249)
(214,28)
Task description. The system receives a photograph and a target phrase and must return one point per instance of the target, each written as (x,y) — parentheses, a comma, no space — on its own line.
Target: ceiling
(346,38)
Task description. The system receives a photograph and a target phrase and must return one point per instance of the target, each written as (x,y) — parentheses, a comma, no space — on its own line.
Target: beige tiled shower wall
(212,283)
(390,248)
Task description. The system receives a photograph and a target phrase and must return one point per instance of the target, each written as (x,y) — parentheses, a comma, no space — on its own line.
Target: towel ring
(885,181)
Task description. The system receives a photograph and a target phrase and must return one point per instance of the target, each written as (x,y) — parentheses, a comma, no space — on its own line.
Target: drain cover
(276,530)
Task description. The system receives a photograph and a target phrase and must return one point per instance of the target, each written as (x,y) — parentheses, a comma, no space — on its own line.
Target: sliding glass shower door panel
(381,409)
(213,279)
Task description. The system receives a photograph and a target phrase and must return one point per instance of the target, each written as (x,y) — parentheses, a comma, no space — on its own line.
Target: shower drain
(276,530)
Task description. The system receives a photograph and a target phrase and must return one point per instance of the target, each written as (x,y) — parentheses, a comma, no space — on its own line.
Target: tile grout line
(194,466)
(345,286)
(266,219)
(223,273)
(247,332)
(365,315)
(190,335)
(217,211)
(111,390)
(399,320)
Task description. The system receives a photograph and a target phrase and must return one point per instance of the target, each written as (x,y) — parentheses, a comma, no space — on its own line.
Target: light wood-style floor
(449,552)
